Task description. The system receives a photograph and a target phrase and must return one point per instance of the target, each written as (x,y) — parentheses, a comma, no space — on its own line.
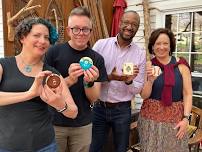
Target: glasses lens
(86,31)
(126,24)
(76,30)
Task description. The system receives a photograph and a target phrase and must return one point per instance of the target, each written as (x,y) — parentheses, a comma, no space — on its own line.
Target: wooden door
(56,11)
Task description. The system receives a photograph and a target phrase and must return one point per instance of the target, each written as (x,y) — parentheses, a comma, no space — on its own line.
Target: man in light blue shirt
(113,108)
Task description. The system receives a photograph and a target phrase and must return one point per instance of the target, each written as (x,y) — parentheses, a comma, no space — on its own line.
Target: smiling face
(129,25)
(161,47)
(37,40)
(79,41)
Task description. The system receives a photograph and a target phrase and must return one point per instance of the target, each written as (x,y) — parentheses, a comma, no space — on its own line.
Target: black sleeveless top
(176,90)
(25,126)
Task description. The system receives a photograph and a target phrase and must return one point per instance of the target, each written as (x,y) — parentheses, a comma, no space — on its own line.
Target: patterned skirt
(156,127)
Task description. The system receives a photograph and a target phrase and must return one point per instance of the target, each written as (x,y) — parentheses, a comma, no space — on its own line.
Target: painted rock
(156,71)
(53,81)
(86,63)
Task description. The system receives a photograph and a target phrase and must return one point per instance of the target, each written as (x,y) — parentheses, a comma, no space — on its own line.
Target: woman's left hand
(182,128)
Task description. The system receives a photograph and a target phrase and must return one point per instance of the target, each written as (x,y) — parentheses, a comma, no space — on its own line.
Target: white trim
(174,5)
(199,96)
(196,74)
(172,8)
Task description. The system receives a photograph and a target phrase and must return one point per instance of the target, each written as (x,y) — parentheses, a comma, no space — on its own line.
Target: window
(187,28)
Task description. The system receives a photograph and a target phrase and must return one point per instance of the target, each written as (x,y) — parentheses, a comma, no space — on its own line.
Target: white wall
(1,32)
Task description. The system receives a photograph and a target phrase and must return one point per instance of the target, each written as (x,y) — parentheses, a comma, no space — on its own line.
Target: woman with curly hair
(164,115)
(25,121)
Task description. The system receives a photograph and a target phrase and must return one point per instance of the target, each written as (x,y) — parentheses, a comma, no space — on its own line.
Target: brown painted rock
(53,81)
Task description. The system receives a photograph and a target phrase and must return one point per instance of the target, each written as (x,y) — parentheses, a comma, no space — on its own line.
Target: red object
(119,7)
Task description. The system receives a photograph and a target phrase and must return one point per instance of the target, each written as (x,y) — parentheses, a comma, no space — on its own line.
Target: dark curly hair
(25,26)
(155,34)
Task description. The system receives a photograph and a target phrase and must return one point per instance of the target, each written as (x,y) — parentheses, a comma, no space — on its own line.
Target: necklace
(28,67)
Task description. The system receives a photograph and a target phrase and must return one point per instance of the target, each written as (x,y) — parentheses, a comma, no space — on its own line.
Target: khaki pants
(73,139)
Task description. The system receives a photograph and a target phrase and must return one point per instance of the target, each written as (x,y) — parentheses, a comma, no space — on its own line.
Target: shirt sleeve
(138,82)
(101,63)
(102,70)
(97,46)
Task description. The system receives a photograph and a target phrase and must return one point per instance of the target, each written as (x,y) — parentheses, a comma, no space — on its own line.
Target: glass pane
(197,21)
(196,62)
(184,55)
(183,42)
(184,22)
(171,22)
(197,85)
(197,101)
(197,42)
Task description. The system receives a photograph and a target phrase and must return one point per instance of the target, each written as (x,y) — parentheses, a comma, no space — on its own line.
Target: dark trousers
(118,118)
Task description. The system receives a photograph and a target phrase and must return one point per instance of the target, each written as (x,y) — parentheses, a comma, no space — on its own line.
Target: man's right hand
(114,76)
(74,72)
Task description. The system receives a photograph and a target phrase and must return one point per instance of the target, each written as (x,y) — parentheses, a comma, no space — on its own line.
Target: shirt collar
(116,42)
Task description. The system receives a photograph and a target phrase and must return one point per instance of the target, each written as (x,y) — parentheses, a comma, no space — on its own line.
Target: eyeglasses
(126,24)
(76,30)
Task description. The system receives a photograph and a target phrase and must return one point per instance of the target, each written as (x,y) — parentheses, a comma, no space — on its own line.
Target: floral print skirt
(156,127)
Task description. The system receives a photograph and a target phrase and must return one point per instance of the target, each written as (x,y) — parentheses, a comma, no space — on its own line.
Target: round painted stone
(156,71)
(53,81)
(86,63)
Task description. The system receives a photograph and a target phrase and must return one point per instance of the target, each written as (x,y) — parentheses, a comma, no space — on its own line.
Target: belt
(112,105)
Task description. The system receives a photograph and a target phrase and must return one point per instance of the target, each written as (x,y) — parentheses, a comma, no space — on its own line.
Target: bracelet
(88,84)
(63,109)
(128,83)
(186,117)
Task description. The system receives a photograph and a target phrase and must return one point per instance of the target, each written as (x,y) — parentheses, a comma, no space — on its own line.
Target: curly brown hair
(25,26)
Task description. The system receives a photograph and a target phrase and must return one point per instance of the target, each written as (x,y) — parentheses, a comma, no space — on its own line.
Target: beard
(126,38)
